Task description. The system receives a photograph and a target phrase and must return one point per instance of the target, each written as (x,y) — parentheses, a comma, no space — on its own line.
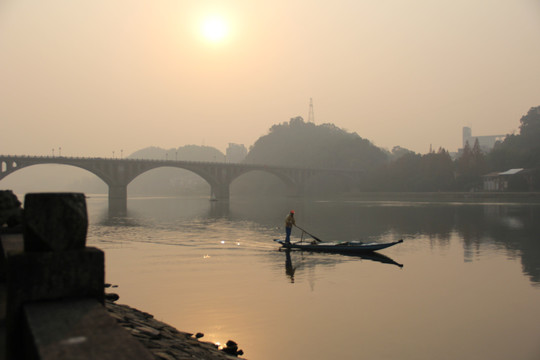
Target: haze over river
(469,287)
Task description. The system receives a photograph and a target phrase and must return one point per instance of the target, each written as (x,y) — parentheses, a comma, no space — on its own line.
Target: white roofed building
(502,181)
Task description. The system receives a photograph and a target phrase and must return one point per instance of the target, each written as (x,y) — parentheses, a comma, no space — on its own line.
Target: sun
(215,28)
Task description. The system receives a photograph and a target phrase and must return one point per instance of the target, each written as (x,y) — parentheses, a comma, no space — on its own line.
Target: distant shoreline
(443,196)
(532,197)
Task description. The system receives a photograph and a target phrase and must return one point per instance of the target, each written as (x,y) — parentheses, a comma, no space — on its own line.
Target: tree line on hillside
(438,172)
(305,145)
(300,144)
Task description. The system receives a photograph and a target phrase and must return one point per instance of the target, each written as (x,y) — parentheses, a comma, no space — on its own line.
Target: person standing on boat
(289,222)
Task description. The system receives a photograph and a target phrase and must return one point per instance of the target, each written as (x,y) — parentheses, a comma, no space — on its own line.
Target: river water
(464,284)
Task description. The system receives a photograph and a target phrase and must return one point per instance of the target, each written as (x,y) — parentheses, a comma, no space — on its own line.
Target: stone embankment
(52,299)
(164,341)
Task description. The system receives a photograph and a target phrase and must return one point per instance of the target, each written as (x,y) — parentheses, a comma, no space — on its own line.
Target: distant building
(236,153)
(486,142)
(513,180)
(499,181)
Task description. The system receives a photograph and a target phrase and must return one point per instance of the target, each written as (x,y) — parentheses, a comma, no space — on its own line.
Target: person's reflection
(289,269)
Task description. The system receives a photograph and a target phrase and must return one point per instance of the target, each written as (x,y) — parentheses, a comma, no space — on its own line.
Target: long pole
(313,236)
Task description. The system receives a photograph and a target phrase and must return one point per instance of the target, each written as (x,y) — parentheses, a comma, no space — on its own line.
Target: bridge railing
(172,162)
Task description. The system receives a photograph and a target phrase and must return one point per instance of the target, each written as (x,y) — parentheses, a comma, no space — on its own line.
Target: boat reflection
(290,269)
(375,256)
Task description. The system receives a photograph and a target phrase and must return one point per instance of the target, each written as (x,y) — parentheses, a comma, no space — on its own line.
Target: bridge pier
(220,192)
(117,199)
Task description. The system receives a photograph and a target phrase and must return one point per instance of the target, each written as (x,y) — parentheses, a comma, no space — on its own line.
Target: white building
(487,142)
(498,181)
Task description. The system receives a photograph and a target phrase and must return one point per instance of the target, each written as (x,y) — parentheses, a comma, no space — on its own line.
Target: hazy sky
(93,77)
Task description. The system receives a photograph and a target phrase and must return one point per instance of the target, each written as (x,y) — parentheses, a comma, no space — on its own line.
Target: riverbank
(479,196)
(164,341)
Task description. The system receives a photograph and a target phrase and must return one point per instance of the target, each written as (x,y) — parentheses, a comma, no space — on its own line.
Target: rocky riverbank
(166,342)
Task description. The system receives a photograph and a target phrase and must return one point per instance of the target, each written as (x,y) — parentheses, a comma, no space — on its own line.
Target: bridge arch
(118,173)
(327,184)
(258,182)
(219,186)
(10,167)
(279,174)
(52,177)
(167,180)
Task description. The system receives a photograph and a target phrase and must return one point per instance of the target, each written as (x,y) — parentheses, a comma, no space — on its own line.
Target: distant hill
(297,143)
(300,144)
(187,152)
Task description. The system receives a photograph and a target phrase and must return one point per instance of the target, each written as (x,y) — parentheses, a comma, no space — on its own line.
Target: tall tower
(467,136)
(311,116)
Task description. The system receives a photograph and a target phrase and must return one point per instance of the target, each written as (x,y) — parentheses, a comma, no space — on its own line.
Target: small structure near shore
(518,179)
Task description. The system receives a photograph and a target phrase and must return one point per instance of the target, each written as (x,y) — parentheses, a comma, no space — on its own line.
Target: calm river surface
(469,287)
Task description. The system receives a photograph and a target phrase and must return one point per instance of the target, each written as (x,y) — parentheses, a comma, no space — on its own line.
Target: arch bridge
(118,173)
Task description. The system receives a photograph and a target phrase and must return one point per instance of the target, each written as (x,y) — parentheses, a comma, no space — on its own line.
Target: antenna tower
(311,116)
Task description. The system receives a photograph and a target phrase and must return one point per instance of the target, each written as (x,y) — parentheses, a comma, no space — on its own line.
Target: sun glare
(215,29)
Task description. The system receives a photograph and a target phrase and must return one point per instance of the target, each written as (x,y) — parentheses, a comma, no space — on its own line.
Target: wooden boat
(343,247)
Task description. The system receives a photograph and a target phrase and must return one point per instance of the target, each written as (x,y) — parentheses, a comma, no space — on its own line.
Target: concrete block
(9,244)
(53,275)
(42,276)
(77,329)
(54,221)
